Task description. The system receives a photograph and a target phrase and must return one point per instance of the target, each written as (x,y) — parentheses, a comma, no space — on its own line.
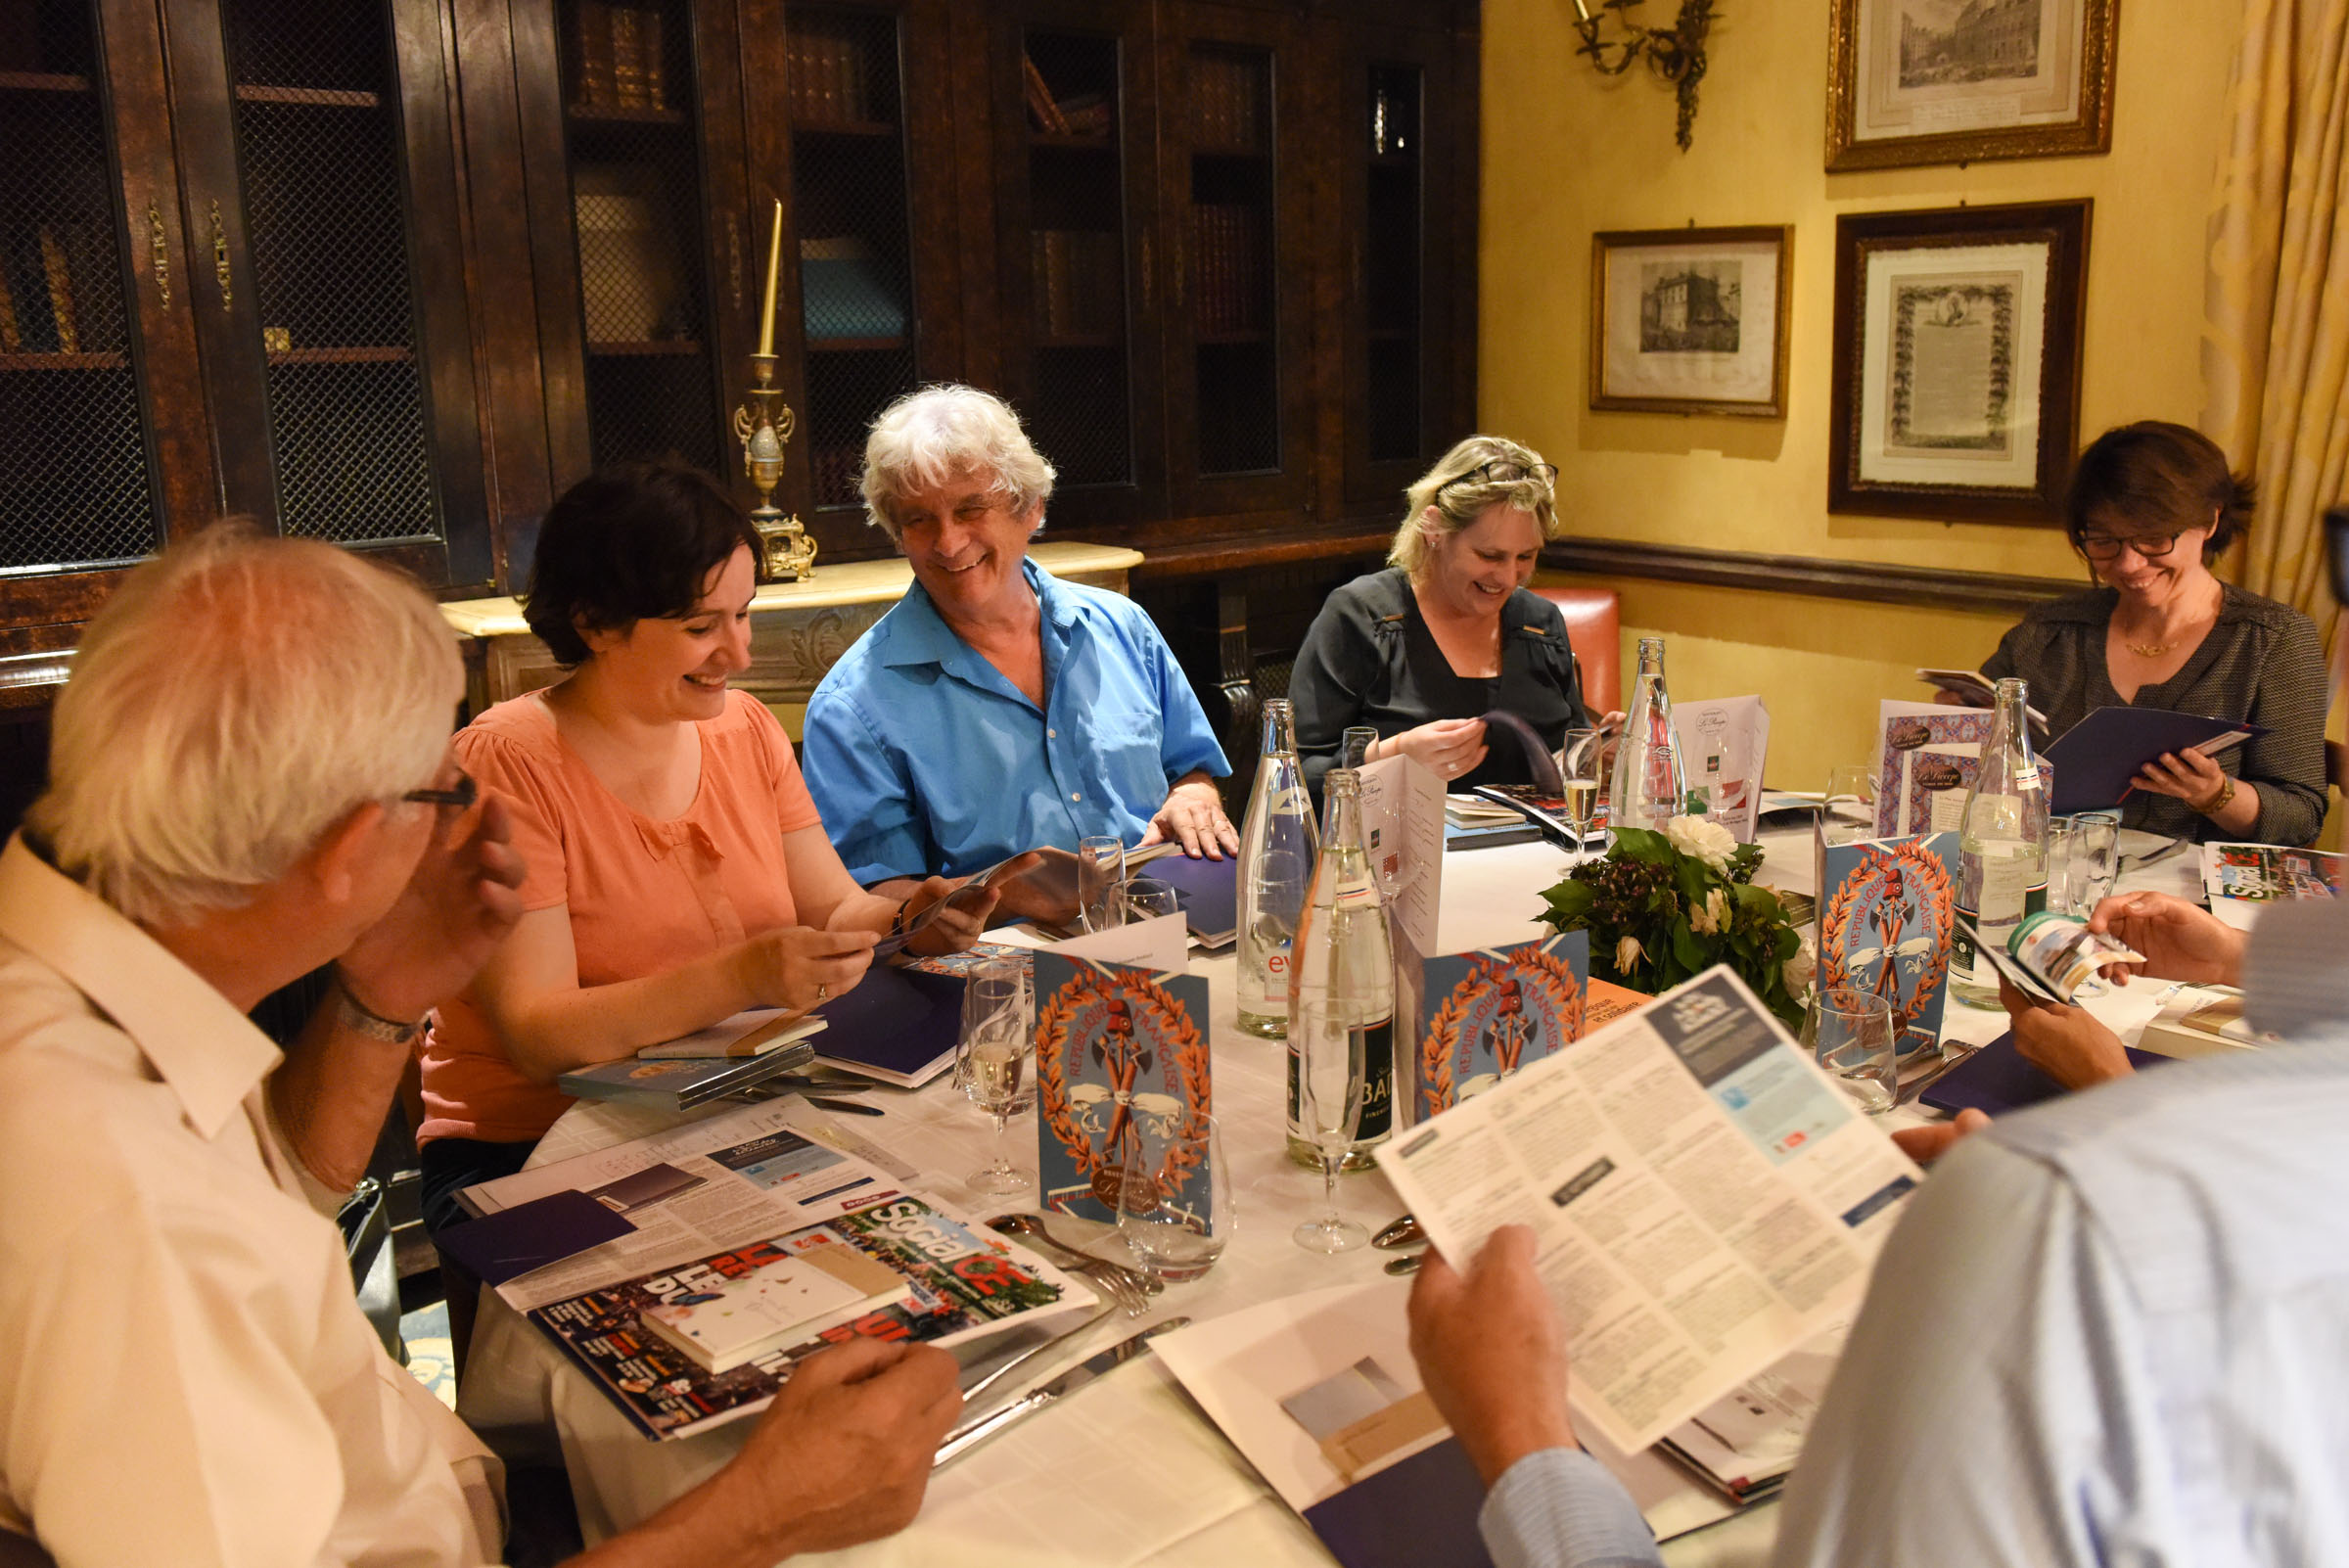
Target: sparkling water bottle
(1345,957)
(1276,864)
(1651,785)
(2001,846)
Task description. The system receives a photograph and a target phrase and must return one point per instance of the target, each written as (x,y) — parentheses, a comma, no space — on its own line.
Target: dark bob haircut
(635,543)
(2154,477)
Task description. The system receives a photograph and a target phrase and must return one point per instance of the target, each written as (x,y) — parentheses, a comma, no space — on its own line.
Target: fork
(1129,1288)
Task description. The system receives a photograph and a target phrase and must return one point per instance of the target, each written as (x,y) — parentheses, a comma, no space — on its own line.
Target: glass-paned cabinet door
(634,151)
(1238,334)
(851,219)
(1384,163)
(1081,354)
(76,483)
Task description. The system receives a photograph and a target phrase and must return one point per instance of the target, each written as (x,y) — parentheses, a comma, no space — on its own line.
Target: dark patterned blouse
(2261,662)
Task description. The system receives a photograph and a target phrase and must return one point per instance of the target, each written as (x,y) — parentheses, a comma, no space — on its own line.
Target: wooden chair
(1594,622)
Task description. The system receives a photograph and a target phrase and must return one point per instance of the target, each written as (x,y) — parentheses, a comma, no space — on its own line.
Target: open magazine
(1704,1199)
(2050,957)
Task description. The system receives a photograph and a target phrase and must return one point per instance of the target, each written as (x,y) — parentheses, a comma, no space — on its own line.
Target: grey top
(2261,662)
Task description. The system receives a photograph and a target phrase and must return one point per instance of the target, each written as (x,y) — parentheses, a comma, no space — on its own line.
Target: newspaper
(1724,744)
(698,1189)
(1705,1199)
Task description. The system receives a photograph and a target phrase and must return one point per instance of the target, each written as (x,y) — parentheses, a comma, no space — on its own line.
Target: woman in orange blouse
(677,872)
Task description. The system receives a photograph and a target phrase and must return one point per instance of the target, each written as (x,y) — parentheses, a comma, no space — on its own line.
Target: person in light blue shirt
(2113,1329)
(995,708)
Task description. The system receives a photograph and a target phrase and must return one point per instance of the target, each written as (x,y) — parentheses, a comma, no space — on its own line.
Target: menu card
(1122,1072)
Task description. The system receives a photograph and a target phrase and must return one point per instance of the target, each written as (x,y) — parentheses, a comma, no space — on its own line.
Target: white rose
(1628,953)
(1799,969)
(1701,838)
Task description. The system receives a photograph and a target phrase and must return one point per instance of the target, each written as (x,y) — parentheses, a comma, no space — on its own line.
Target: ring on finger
(823,992)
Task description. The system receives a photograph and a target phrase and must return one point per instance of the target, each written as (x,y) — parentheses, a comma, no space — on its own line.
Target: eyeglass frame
(1547,473)
(461,797)
(2134,541)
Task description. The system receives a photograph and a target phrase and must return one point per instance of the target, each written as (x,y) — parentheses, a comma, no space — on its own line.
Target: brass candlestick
(763,426)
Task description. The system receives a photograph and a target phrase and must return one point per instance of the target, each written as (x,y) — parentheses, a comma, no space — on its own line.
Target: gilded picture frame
(1955,392)
(1916,82)
(1691,321)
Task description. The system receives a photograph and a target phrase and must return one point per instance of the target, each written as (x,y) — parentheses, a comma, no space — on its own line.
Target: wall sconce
(1676,53)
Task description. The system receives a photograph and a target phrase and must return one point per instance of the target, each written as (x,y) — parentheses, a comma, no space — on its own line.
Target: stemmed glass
(1100,871)
(1579,770)
(1850,1034)
(1329,1110)
(1175,1210)
(1848,815)
(1355,743)
(1147,898)
(995,1059)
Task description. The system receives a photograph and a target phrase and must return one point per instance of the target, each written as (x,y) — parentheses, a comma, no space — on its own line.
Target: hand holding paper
(1492,1352)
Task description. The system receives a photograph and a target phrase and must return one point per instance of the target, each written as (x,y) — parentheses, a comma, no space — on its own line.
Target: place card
(1122,1078)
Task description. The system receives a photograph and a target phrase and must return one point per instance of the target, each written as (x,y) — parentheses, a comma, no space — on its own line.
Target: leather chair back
(1595,625)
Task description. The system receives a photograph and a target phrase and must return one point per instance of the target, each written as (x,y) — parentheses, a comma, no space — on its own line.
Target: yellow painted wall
(1567,154)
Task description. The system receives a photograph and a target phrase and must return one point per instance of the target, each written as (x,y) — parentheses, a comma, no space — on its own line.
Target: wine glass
(1849,813)
(2095,852)
(1355,743)
(1850,1034)
(1100,868)
(994,1058)
(1329,1109)
(1175,1206)
(1578,771)
(1146,898)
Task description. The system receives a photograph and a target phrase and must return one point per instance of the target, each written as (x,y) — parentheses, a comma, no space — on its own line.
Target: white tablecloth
(1130,1473)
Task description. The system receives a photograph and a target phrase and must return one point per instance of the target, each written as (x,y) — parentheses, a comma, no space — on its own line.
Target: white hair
(927,437)
(233,701)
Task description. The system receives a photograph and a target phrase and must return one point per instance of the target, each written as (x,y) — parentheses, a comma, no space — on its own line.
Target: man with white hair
(995,708)
(251,779)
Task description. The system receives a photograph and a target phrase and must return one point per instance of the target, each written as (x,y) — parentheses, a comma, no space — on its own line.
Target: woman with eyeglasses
(1448,633)
(2149,506)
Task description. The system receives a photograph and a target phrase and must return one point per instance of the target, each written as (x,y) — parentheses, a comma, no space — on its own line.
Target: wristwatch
(357,1017)
(2217,802)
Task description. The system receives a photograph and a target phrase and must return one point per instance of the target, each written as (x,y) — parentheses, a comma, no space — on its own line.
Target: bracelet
(897,922)
(2218,801)
(361,1019)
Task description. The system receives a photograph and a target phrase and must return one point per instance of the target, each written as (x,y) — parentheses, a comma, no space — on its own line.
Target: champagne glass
(1175,1206)
(1355,743)
(1100,868)
(1330,1073)
(1578,770)
(994,1058)
(1147,898)
(1849,815)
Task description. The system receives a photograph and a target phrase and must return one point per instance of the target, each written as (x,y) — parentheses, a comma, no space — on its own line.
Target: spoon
(1408,1263)
(1404,1232)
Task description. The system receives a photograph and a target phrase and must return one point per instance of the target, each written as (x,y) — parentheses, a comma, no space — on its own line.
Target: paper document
(1403,831)
(699,1188)
(1704,1199)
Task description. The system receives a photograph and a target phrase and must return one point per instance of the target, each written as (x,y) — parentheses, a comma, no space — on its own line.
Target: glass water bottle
(1277,865)
(1651,785)
(2001,846)
(1343,956)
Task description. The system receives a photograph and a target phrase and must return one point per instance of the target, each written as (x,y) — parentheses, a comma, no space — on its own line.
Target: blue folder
(1997,1079)
(2096,759)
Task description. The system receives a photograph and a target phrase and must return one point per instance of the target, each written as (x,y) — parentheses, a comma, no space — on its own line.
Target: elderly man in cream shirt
(251,779)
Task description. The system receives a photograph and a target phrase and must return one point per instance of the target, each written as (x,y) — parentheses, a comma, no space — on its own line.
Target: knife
(965,1438)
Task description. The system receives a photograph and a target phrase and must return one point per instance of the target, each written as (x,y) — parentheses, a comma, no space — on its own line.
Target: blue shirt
(2113,1329)
(924,759)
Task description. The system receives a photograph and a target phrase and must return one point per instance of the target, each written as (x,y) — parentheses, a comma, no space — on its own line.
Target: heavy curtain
(2276,328)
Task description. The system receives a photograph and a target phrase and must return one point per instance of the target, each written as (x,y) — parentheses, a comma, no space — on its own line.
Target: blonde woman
(1448,633)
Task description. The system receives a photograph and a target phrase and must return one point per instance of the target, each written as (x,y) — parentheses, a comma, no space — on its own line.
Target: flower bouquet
(1662,907)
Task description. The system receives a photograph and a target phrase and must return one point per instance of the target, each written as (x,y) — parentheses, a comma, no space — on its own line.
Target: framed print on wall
(1957,370)
(1691,321)
(1912,82)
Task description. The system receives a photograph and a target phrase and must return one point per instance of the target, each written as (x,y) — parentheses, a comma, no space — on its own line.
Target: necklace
(2149,650)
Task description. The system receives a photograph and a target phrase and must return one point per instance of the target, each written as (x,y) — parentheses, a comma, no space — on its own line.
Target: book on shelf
(631,272)
(628,58)
(1079,287)
(592,55)
(1089,114)
(12,337)
(59,275)
(825,79)
(1226,112)
(1042,108)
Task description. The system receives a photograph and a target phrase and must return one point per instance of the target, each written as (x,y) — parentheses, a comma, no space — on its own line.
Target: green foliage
(1683,915)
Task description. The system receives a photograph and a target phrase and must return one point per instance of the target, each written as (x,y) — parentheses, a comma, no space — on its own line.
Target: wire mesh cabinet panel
(329,289)
(1074,182)
(79,484)
(1236,130)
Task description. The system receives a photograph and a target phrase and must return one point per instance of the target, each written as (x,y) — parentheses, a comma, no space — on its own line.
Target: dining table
(1130,1473)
